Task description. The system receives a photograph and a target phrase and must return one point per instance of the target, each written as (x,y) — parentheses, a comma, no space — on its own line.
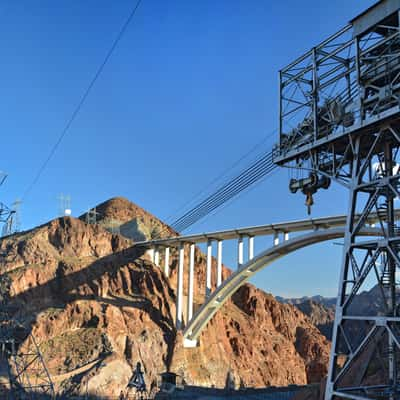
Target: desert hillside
(97,305)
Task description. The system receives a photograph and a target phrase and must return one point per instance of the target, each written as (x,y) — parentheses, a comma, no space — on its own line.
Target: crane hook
(309,201)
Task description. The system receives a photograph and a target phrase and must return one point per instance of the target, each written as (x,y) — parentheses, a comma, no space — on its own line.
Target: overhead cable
(257,170)
(81,101)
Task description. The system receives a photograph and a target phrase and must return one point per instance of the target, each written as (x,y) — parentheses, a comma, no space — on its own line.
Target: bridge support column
(166,262)
(276,238)
(179,295)
(208,271)
(150,252)
(219,263)
(189,344)
(251,247)
(157,257)
(286,236)
(240,251)
(190,283)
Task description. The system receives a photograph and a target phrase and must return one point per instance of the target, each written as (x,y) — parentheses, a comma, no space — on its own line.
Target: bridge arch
(218,298)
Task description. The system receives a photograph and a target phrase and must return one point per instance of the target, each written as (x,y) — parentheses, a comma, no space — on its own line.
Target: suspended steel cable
(228,197)
(223,174)
(258,169)
(243,193)
(231,185)
(206,210)
(82,100)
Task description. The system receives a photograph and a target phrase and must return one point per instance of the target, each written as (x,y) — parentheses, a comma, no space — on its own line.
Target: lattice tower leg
(365,351)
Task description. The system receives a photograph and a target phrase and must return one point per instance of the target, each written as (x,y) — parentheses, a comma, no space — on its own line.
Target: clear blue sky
(191,87)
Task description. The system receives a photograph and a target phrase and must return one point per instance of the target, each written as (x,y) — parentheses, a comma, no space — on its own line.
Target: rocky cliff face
(320,310)
(321,316)
(97,305)
(122,216)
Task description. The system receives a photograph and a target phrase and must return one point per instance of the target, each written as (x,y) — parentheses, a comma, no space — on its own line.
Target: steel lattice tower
(21,361)
(340,121)
(20,356)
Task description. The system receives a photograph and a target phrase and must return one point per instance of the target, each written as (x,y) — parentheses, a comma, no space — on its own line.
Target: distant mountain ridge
(320,310)
(325,301)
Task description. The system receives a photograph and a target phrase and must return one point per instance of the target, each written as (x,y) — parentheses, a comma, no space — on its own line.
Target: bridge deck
(260,230)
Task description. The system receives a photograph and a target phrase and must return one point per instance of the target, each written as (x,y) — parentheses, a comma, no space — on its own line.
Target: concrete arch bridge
(307,232)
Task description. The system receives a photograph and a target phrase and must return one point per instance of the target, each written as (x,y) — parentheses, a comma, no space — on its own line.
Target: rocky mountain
(328,302)
(96,305)
(121,216)
(320,310)
(320,315)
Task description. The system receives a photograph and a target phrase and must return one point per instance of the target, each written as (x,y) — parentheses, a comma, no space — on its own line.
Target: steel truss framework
(338,86)
(365,360)
(340,119)
(27,373)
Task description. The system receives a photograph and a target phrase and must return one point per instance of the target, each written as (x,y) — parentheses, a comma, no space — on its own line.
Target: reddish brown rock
(321,316)
(97,306)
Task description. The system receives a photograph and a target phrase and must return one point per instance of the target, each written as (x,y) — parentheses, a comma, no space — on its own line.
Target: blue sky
(191,87)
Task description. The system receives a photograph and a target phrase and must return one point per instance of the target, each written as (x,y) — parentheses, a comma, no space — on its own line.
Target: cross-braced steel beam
(340,121)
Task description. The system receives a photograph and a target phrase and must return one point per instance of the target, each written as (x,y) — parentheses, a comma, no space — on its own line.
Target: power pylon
(7,215)
(16,208)
(64,205)
(20,356)
(28,376)
(91,216)
(7,218)
(340,121)
(12,220)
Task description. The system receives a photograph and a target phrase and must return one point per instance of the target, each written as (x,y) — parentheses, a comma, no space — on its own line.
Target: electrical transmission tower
(91,216)
(20,356)
(64,205)
(11,221)
(340,121)
(9,217)
(16,227)
(23,373)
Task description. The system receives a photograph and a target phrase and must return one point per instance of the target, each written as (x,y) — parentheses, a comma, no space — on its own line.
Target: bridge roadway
(322,229)
(260,230)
